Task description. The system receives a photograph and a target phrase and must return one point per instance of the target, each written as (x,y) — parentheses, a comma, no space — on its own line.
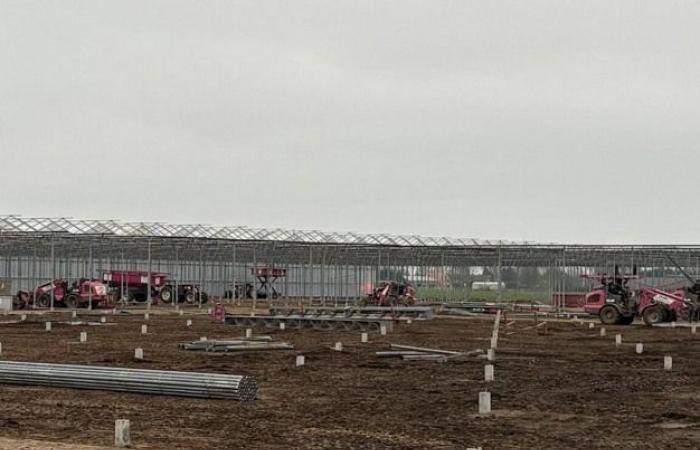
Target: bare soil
(568,388)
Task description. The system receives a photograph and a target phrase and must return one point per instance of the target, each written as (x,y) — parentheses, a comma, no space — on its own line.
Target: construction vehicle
(690,293)
(132,286)
(266,277)
(391,293)
(78,294)
(616,304)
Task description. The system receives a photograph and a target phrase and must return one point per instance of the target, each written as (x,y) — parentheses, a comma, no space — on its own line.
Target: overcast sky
(556,121)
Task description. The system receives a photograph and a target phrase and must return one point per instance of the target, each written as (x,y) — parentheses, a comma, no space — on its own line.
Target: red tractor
(391,293)
(132,286)
(616,304)
(78,294)
(652,305)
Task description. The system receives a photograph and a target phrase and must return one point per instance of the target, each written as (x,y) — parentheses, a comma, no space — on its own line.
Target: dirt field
(568,389)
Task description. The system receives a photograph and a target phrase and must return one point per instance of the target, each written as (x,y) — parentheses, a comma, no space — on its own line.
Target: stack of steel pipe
(235,346)
(155,382)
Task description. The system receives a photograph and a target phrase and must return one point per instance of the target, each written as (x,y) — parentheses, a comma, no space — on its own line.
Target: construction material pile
(83,323)
(324,322)
(154,382)
(244,344)
(410,353)
(382,312)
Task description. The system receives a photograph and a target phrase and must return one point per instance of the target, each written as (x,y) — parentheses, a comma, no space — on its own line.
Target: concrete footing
(484,402)
(488,373)
(122,435)
(491,354)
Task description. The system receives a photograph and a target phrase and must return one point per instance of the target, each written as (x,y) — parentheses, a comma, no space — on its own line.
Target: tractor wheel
(654,314)
(609,315)
(17,303)
(205,297)
(190,297)
(44,301)
(166,295)
(72,301)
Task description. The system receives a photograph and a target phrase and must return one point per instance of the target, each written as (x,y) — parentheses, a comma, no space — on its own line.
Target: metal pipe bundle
(235,346)
(154,382)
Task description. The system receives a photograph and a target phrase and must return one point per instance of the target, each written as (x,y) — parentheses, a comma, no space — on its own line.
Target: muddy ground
(569,388)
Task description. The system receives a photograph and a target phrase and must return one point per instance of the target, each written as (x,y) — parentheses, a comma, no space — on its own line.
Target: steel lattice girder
(316,322)
(114,240)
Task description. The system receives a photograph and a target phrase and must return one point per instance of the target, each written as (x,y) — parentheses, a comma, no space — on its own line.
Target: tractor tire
(166,295)
(609,315)
(205,297)
(72,301)
(190,297)
(654,314)
(17,303)
(44,301)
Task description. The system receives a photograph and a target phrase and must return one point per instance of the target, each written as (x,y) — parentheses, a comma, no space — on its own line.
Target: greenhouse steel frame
(321,264)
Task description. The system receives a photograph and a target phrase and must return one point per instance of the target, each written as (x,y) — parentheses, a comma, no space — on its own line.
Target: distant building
(487,285)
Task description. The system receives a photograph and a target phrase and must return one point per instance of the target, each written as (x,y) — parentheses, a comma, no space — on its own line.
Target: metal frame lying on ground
(316,322)
(238,345)
(388,312)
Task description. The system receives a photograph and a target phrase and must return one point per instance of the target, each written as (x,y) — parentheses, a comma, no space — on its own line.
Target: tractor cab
(613,301)
(614,290)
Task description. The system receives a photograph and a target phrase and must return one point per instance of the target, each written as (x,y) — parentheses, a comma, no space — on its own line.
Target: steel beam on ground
(315,322)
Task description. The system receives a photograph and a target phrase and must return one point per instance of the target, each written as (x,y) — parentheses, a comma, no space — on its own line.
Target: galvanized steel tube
(156,382)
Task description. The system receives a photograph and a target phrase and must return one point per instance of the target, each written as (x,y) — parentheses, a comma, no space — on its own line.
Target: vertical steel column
(53,272)
(148,285)
(92,276)
(562,297)
(175,296)
(323,280)
(255,278)
(303,277)
(201,276)
(34,281)
(549,281)
(233,279)
(378,273)
(498,274)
